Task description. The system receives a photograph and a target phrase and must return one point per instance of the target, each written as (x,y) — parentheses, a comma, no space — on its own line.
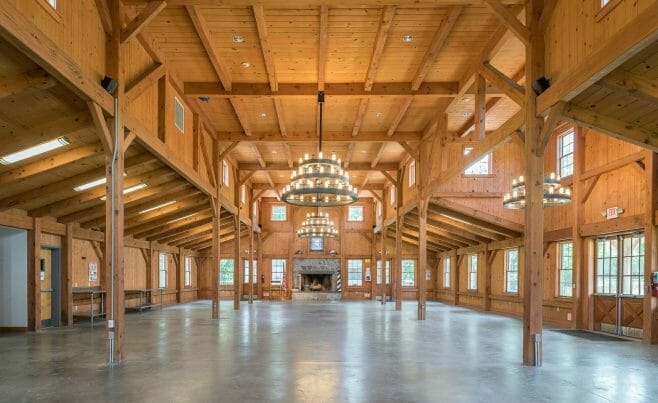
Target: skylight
(34,151)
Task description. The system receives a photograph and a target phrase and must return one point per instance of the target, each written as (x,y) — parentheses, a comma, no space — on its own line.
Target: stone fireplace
(315,279)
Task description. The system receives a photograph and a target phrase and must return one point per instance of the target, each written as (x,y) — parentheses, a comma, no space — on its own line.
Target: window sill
(51,11)
(605,10)
(479,176)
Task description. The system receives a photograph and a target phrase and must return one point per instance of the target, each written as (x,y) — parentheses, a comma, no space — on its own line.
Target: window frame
(560,148)
(408,273)
(605,9)
(178,104)
(357,207)
(279,274)
(388,271)
(187,278)
(355,272)
(163,270)
(446,272)
(509,270)
(472,272)
(412,173)
(285,213)
(627,265)
(245,270)
(605,278)
(489,157)
(224,276)
(562,285)
(52,3)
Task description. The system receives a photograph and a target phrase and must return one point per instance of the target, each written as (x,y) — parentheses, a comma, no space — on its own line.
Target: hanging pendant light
(320,181)
(317,225)
(554,193)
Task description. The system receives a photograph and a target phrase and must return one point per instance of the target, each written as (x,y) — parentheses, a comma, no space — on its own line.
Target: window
(480,167)
(278,268)
(393,195)
(355,213)
(472,272)
(243,194)
(606,266)
(188,271)
(512,271)
(632,281)
(388,272)
(565,154)
(225,173)
(408,273)
(179,115)
(226,269)
(565,267)
(604,3)
(355,272)
(162,271)
(316,244)
(278,213)
(446,272)
(379,209)
(246,271)
(53,4)
(412,173)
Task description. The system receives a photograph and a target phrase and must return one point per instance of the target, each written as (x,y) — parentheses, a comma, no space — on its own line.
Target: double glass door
(619,284)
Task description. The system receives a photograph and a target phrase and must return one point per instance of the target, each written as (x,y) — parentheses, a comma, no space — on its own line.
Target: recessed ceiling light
(408,38)
(34,151)
(238,38)
(262,115)
(378,114)
(169,203)
(466,113)
(273,151)
(246,65)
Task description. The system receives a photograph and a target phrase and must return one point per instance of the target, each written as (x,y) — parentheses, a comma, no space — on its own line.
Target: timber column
(650,318)
(534,186)
(422,257)
(214,262)
(397,282)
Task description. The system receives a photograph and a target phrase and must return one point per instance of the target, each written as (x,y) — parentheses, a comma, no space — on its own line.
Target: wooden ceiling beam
(278,107)
(204,34)
(411,151)
(385,22)
(145,81)
(164,220)
(348,154)
(311,137)
(334,3)
(186,205)
(323,46)
(13,140)
(463,230)
(35,80)
(438,42)
(510,20)
(513,90)
(360,166)
(360,115)
(288,153)
(145,16)
(104,16)
(448,89)
(184,236)
(102,130)
(228,149)
(375,160)
(241,115)
(632,85)
(199,219)
(399,115)
(266,49)
(476,217)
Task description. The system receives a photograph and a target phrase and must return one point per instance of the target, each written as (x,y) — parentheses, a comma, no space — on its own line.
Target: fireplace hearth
(316,282)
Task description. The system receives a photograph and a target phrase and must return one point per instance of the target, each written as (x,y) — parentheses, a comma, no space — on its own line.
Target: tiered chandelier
(554,193)
(319,181)
(317,225)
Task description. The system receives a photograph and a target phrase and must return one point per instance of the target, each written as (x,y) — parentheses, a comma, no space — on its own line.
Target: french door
(619,285)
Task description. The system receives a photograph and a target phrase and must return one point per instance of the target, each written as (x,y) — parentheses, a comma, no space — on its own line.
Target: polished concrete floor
(345,352)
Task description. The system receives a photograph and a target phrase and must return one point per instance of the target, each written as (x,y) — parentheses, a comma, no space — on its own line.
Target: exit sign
(612,212)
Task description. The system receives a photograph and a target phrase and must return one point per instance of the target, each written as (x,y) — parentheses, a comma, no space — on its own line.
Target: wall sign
(612,212)
(93,272)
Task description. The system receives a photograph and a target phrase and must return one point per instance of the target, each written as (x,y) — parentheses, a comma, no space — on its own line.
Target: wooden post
(214,263)
(180,275)
(456,262)
(581,293)
(151,265)
(480,107)
(67,276)
(488,263)
(114,217)
(650,317)
(252,270)
(534,179)
(397,282)
(373,265)
(423,204)
(384,258)
(237,280)
(34,277)
(259,254)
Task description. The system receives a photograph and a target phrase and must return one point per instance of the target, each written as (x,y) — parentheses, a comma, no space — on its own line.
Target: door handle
(46,290)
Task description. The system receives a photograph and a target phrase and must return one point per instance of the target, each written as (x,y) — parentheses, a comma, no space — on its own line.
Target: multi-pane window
(412,173)
(446,272)
(278,268)
(226,270)
(226,174)
(473,272)
(246,271)
(179,115)
(408,272)
(162,270)
(512,270)
(565,268)
(355,272)
(243,194)
(480,167)
(188,271)
(606,265)
(565,154)
(392,195)
(355,213)
(388,272)
(379,209)
(632,281)
(278,213)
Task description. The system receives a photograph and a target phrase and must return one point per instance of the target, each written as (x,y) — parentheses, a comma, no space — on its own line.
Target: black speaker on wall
(109,84)
(540,85)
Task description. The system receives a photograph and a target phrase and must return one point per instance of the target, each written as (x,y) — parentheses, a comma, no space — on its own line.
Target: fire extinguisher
(654,284)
